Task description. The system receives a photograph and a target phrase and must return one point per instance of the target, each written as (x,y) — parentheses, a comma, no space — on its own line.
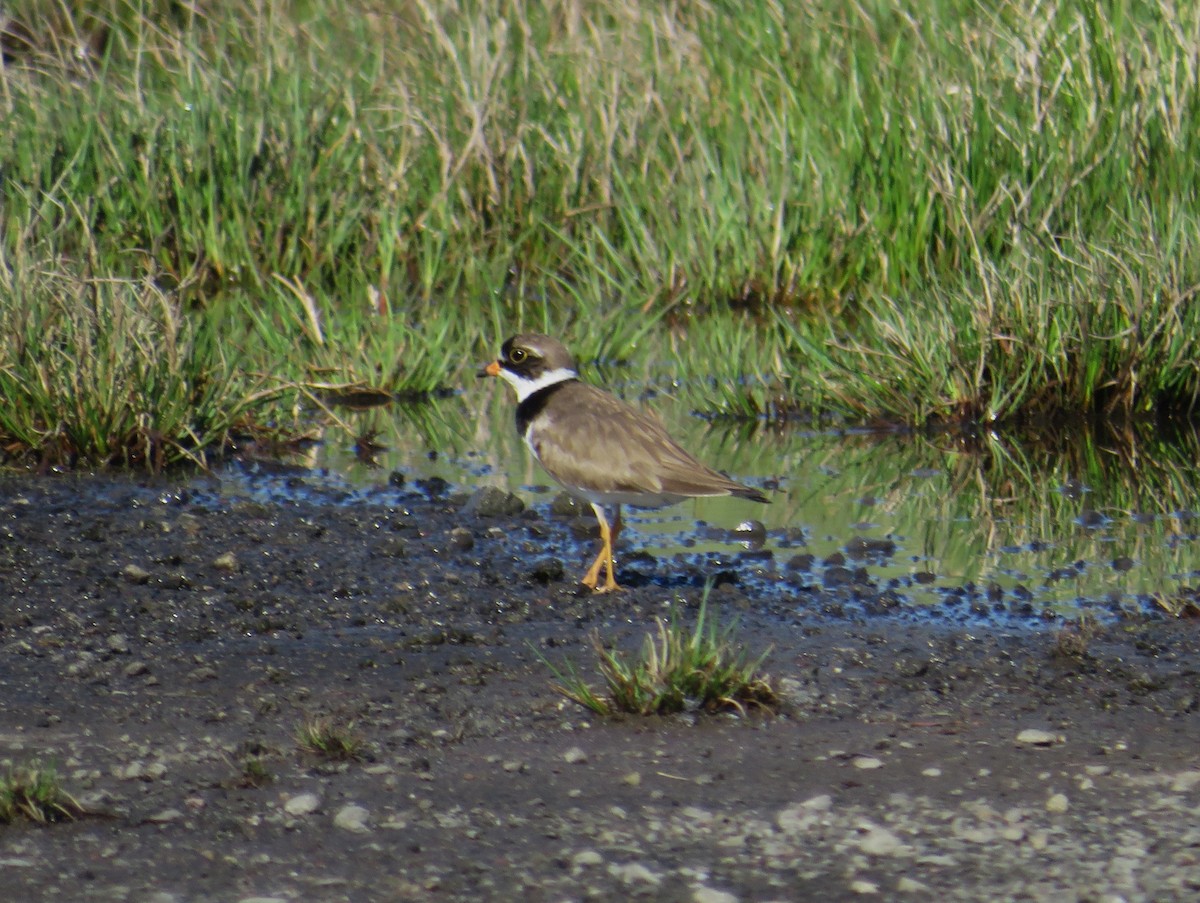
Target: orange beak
(492,369)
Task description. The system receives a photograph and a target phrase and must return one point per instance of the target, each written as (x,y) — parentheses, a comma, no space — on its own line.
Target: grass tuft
(678,670)
(114,372)
(329,740)
(34,792)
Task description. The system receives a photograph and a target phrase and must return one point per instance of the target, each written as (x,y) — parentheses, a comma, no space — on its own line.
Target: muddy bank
(162,644)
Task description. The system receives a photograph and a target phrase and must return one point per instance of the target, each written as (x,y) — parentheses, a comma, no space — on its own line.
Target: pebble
(352,818)
(704,894)
(875,840)
(493,502)
(165,816)
(587,858)
(118,643)
(868,763)
(635,873)
(462,539)
(1034,737)
(302,804)
(135,574)
(1057,802)
(861,886)
(799,817)
(1185,781)
(575,756)
(226,562)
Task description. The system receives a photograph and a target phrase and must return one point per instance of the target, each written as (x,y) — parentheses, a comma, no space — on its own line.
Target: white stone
(352,818)
(1032,736)
(302,804)
(704,894)
(1057,802)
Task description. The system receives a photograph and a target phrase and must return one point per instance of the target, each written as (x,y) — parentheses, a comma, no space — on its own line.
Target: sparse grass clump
(330,740)
(34,792)
(677,670)
(1074,639)
(114,372)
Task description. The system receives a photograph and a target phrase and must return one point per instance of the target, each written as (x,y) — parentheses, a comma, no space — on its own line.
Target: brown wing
(594,439)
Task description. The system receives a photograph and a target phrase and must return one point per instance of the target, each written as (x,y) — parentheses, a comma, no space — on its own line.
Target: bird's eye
(517,355)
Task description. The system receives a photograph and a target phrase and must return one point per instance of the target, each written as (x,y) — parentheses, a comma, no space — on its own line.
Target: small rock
(861,886)
(352,818)
(118,643)
(635,873)
(932,772)
(462,539)
(135,574)
(1185,781)
(1033,737)
(565,505)
(547,570)
(491,501)
(875,840)
(575,756)
(1058,802)
(795,694)
(704,894)
(302,804)
(867,763)
(226,562)
(798,818)
(633,779)
(586,858)
(908,885)
(165,817)
(136,669)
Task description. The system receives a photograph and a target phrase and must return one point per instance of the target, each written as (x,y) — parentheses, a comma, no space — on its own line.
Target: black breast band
(534,404)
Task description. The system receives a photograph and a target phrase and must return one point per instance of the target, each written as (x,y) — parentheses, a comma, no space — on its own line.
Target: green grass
(678,669)
(330,740)
(936,210)
(34,792)
(114,372)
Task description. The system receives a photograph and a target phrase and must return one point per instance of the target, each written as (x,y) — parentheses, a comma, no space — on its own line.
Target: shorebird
(597,447)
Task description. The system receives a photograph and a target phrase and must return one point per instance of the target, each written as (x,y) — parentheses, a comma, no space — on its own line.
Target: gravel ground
(163,644)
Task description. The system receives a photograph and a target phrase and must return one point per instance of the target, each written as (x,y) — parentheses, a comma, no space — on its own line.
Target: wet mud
(162,644)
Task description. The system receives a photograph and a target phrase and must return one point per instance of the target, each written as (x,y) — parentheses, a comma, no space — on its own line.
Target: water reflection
(1076,518)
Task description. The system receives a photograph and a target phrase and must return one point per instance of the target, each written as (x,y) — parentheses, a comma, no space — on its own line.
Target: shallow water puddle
(986,527)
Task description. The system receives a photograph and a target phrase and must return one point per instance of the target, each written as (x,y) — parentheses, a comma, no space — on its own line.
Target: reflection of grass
(677,670)
(35,792)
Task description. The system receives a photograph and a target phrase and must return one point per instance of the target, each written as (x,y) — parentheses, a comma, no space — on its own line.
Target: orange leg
(608,538)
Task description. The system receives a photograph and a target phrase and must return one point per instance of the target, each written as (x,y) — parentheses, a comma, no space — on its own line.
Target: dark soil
(163,645)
